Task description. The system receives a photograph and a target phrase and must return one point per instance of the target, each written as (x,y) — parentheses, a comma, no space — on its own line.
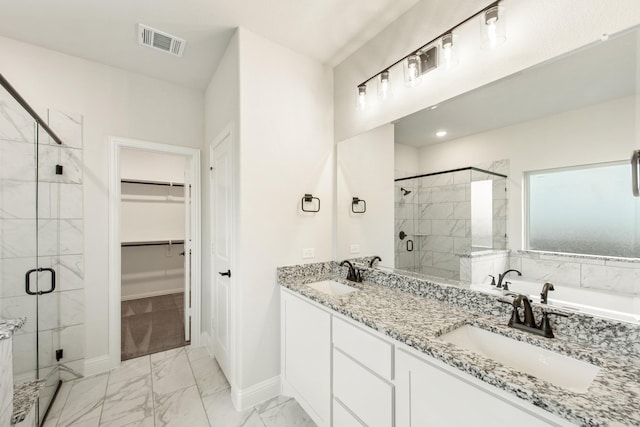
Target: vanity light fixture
(361,100)
(425,59)
(492,23)
(384,85)
(441,133)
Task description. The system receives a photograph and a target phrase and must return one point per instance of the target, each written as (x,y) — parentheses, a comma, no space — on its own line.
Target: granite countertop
(24,396)
(9,326)
(612,399)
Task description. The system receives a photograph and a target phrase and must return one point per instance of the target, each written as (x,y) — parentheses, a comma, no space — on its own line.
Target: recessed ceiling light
(441,133)
(433,107)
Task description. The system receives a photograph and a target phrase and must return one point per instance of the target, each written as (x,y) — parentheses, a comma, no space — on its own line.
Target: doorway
(155,248)
(155,268)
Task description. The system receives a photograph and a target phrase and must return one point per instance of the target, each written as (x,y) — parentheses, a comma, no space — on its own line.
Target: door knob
(225,273)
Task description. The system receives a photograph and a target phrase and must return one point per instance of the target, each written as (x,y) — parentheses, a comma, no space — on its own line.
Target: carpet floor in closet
(151,325)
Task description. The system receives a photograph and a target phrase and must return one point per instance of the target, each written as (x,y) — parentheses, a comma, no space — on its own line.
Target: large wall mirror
(531,172)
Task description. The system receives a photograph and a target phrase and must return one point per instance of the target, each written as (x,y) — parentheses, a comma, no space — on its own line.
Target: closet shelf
(145,198)
(162,183)
(153,243)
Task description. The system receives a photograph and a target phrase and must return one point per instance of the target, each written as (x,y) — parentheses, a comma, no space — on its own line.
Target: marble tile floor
(153,324)
(183,387)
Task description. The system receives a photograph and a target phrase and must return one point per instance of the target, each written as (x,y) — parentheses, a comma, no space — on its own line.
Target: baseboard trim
(258,393)
(152,294)
(97,365)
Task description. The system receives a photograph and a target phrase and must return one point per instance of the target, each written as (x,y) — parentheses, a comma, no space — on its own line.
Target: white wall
(112,102)
(148,166)
(599,133)
(151,271)
(222,108)
(537,30)
(406,159)
(365,170)
(286,150)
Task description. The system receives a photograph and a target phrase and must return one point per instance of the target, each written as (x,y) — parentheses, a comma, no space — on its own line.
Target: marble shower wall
(436,216)
(59,228)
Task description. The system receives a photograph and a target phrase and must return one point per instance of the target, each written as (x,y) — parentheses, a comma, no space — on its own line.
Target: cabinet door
(369,350)
(366,395)
(343,418)
(306,356)
(428,395)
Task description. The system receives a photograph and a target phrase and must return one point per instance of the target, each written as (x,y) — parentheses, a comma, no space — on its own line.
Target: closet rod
(163,183)
(153,243)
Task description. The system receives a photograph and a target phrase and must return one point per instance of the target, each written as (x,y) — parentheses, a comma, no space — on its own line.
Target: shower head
(405,192)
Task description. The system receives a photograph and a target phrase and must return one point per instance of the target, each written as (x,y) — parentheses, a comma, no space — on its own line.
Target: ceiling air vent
(156,39)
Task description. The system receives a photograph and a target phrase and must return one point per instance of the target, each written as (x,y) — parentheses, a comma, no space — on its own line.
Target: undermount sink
(331,287)
(563,371)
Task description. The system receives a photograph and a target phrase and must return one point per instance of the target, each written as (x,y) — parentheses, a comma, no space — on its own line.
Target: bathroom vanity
(384,353)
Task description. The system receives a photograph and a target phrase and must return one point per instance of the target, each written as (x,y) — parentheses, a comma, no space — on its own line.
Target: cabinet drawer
(368,396)
(366,348)
(343,418)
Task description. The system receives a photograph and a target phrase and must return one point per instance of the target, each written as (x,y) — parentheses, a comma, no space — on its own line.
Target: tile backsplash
(616,275)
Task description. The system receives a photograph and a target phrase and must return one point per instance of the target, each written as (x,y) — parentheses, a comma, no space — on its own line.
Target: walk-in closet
(155,267)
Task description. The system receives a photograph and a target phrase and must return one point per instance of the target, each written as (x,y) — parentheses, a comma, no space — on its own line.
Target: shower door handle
(27,281)
(409,245)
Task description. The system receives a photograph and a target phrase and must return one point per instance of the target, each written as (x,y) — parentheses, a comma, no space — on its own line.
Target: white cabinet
(369,350)
(366,395)
(306,356)
(342,417)
(346,375)
(362,375)
(429,393)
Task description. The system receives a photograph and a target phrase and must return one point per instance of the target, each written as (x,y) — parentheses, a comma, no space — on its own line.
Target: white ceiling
(589,76)
(105,30)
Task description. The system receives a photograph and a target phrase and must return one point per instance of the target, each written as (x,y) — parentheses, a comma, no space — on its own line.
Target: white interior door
(187,252)
(221,250)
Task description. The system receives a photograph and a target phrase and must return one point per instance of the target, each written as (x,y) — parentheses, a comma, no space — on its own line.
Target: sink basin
(331,287)
(558,369)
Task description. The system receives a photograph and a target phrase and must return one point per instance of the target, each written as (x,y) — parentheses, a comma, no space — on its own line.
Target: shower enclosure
(443,216)
(41,243)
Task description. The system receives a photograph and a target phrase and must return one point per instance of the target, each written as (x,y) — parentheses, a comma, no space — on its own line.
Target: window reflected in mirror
(587,210)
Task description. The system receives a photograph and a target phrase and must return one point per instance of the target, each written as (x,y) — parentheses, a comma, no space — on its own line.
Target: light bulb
(492,34)
(412,70)
(384,85)
(493,27)
(449,58)
(362,97)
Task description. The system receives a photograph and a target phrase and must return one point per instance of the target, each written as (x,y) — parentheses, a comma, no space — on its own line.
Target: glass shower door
(18,231)
(29,247)
(49,308)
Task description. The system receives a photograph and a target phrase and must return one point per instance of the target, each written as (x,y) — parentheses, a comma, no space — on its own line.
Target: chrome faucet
(529,324)
(502,276)
(353,274)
